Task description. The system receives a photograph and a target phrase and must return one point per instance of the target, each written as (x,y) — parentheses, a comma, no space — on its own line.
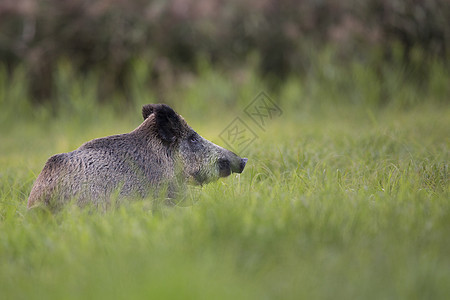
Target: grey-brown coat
(163,151)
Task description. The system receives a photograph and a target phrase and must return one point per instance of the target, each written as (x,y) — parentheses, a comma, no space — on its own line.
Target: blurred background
(345,194)
(75,54)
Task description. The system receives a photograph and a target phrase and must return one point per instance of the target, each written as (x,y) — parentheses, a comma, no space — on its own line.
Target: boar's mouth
(224,167)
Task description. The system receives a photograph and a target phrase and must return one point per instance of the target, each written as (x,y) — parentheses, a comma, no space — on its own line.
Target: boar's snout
(235,165)
(242,165)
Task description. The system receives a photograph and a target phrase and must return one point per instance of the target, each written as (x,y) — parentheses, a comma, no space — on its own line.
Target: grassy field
(339,200)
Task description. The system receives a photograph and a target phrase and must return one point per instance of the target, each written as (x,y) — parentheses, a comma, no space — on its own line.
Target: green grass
(338,201)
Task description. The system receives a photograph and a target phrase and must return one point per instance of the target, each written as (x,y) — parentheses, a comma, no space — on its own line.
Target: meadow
(345,195)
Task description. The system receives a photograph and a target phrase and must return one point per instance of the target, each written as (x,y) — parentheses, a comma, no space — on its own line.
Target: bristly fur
(157,153)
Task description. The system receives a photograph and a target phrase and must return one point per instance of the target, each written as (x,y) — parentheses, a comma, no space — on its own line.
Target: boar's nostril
(243,163)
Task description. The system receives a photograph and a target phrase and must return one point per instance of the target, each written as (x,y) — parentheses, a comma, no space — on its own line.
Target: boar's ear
(147,110)
(167,123)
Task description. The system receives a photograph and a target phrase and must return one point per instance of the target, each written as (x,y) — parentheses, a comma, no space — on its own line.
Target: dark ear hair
(168,123)
(147,110)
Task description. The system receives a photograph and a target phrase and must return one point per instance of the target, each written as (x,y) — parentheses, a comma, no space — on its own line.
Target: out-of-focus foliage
(174,37)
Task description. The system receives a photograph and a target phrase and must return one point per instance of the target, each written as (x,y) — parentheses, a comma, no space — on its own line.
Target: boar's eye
(193,139)
(194,142)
